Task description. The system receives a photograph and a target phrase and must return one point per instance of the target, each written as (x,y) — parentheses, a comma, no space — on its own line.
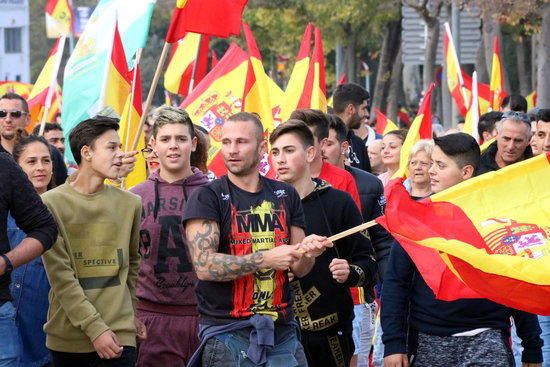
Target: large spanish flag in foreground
(44,88)
(220,18)
(467,242)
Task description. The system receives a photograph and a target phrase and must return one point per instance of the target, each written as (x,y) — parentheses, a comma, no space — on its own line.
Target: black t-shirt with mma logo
(249,222)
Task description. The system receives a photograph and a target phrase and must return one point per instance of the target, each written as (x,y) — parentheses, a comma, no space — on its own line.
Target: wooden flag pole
(134,77)
(348,232)
(352,230)
(195,65)
(151,94)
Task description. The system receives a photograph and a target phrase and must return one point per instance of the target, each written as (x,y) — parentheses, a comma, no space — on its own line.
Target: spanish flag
(483,92)
(421,128)
(472,117)
(44,89)
(454,72)
(497,77)
(383,124)
(129,126)
(118,82)
(297,80)
(403,116)
(467,242)
(531,100)
(220,18)
(256,97)
(23,89)
(59,18)
(218,96)
(191,49)
(318,99)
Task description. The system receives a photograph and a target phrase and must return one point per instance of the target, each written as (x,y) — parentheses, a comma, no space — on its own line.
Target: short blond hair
(165,115)
(424,145)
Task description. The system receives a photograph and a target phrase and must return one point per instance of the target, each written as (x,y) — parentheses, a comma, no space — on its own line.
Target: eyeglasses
(15,114)
(515,115)
(147,152)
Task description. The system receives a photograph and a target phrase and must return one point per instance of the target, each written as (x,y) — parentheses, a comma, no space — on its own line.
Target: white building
(14,41)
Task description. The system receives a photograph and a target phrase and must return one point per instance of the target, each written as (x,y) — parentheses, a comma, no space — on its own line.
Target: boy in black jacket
(465,332)
(323,303)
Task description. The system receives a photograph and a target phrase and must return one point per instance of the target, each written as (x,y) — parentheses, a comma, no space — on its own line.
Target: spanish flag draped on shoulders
(473,259)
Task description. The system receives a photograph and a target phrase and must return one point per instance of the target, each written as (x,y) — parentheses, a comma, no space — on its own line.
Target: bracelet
(9,265)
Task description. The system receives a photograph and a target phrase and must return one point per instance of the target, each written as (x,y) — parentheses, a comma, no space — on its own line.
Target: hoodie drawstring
(157,200)
(326,220)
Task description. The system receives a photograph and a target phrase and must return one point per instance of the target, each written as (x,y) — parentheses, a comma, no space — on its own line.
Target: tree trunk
(534,57)
(390,45)
(412,86)
(349,53)
(543,89)
(396,85)
(432,38)
(524,74)
(480,65)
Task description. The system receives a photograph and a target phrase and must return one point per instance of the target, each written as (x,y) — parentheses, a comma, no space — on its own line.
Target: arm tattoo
(214,266)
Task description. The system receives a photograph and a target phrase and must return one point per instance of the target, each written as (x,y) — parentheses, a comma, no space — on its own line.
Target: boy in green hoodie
(92,268)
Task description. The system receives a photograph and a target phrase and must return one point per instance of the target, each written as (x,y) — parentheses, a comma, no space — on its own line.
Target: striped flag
(462,249)
(256,96)
(85,72)
(497,76)
(44,89)
(220,18)
(454,72)
(472,117)
(191,49)
(383,124)
(59,18)
(297,80)
(129,125)
(531,100)
(118,80)
(421,128)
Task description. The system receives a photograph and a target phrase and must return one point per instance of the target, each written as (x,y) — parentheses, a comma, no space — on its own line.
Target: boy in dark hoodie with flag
(166,281)
(323,303)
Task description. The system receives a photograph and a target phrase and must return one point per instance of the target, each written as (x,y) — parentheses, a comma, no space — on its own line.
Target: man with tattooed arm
(244,232)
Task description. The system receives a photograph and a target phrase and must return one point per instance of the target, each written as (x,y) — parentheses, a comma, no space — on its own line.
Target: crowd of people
(186,269)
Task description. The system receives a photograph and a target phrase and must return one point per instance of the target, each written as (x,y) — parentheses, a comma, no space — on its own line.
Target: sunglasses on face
(15,114)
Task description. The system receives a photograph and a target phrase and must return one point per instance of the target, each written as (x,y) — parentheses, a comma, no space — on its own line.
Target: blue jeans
(9,341)
(229,350)
(544,322)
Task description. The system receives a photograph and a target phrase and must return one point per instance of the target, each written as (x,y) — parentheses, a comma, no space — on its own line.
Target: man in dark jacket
(351,103)
(512,144)
(323,304)
(371,191)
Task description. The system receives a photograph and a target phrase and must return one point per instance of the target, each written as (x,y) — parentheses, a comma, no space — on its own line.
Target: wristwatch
(9,266)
